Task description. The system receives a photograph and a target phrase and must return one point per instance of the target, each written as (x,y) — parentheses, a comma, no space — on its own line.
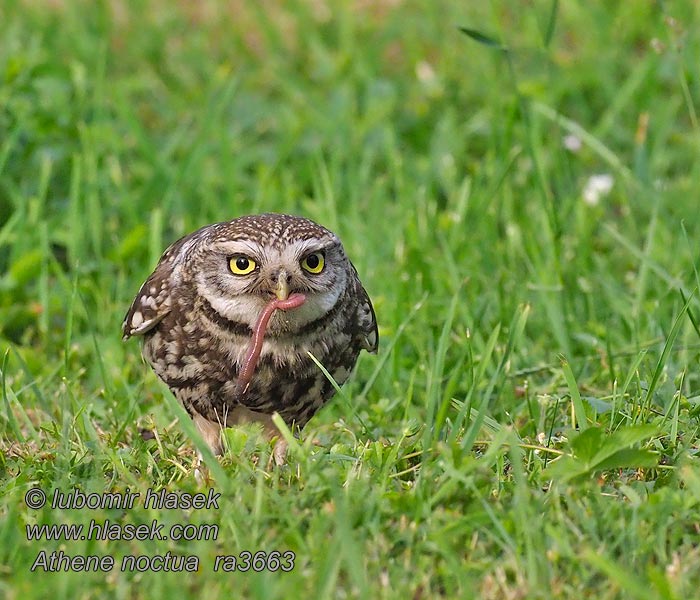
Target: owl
(214,329)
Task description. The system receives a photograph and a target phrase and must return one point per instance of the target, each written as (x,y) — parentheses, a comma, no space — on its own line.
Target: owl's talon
(201,472)
(279,452)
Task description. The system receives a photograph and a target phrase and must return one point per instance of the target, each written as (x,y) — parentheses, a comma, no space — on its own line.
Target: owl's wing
(366,319)
(153,302)
(149,307)
(369,335)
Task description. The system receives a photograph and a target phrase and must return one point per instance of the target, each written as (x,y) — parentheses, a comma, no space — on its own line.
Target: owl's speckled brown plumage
(197,317)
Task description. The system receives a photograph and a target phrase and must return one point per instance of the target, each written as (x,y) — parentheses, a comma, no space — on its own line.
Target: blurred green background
(516,183)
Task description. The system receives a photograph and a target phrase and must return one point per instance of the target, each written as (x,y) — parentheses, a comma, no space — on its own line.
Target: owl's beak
(282,289)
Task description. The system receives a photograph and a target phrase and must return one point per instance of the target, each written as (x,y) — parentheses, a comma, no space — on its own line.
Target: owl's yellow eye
(314,263)
(241,265)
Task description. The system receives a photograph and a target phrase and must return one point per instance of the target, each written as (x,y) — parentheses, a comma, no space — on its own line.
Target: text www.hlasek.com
(107,530)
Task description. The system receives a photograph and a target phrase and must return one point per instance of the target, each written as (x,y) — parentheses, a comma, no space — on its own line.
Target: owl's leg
(210,431)
(240,414)
(279,450)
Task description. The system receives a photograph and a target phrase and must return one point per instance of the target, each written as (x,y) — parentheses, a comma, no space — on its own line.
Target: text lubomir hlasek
(162,499)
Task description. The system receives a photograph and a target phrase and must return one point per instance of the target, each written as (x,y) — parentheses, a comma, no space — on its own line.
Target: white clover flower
(425,73)
(596,187)
(572,142)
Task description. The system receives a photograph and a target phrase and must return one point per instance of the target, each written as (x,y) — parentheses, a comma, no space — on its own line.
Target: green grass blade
(580,420)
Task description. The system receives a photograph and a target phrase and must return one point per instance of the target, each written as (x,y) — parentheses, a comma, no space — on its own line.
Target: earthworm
(253,353)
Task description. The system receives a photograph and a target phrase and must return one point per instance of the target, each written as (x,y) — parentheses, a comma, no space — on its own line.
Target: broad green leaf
(587,444)
(600,406)
(623,438)
(593,451)
(630,458)
(564,469)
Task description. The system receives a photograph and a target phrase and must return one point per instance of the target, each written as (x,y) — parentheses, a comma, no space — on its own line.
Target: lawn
(517,184)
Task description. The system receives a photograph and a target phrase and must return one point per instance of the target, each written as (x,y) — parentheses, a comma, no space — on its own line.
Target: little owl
(233,312)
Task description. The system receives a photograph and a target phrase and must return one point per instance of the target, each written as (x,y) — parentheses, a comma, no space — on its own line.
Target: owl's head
(240,266)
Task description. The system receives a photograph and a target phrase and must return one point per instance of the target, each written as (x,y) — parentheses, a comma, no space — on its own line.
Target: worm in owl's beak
(255,347)
(282,290)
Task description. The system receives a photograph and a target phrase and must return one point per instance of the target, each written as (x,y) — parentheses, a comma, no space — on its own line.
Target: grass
(529,428)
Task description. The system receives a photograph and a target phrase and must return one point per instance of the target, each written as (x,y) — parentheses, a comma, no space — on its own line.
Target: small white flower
(657,45)
(596,187)
(572,142)
(425,73)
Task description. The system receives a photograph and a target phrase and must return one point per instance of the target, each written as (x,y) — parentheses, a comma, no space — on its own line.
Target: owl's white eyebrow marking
(304,247)
(239,247)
